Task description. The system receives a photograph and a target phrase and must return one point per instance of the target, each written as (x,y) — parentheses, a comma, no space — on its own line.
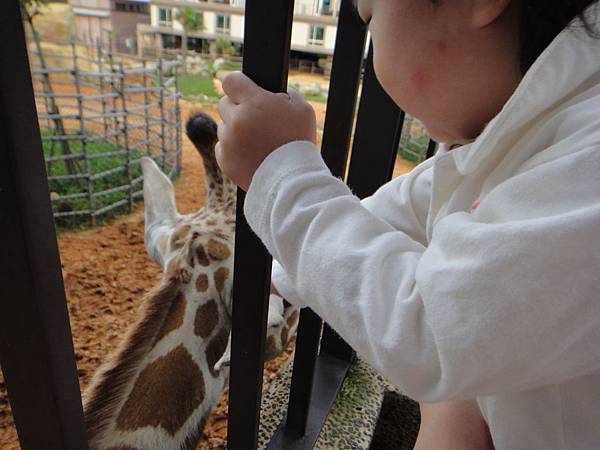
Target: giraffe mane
(105,393)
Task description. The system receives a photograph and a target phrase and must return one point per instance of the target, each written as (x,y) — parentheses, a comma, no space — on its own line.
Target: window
(165,17)
(223,24)
(325,7)
(131,7)
(316,35)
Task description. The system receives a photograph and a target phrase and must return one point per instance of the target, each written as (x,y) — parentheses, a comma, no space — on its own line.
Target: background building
(111,22)
(313,33)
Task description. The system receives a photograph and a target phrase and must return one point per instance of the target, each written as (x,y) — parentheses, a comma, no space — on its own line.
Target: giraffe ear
(160,212)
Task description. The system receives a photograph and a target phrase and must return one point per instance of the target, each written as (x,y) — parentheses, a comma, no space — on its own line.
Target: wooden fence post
(179,125)
(161,103)
(101,88)
(146,102)
(83,135)
(125,130)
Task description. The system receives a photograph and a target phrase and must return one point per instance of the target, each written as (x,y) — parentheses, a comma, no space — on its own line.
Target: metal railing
(36,348)
(322,358)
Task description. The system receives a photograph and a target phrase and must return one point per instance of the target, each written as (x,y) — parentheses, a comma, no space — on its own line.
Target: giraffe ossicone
(170,369)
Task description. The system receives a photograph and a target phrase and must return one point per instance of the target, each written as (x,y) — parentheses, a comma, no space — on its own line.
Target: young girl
(473,282)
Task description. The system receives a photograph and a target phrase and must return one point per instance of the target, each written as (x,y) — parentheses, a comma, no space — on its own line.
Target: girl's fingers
(226,108)
(240,88)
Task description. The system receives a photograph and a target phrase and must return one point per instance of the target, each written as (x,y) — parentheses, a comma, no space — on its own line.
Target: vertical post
(266,59)
(146,103)
(36,349)
(114,92)
(125,131)
(343,91)
(337,130)
(101,87)
(431,146)
(168,129)
(46,109)
(82,133)
(179,126)
(161,107)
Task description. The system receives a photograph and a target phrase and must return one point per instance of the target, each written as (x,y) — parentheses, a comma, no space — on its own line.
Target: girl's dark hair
(543,20)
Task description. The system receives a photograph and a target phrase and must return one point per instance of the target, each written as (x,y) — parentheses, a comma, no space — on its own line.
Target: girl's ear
(485,12)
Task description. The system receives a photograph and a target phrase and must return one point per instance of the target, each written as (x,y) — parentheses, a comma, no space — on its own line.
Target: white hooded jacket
(477,275)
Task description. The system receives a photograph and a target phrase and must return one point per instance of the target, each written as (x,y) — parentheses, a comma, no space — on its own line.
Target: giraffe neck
(220,191)
(158,388)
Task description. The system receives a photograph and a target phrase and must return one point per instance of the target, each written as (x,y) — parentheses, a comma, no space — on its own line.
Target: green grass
(60,188)
(231,65)
(315,97)
(197,85)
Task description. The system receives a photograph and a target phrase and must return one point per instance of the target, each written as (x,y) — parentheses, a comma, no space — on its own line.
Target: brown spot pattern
(165,394)
(271,347)
(174,317)
(284,336)
(201,255)
(207,318)
(217,250)
(215,349)
(202,282)
(221,275)
(293,318)
(175,271)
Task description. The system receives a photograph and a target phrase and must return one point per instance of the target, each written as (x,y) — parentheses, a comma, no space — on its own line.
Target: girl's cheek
(420,82)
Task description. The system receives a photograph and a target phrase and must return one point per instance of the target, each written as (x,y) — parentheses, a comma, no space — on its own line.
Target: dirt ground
(107,272)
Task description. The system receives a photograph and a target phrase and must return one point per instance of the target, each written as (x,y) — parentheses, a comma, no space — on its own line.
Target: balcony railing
(38,360)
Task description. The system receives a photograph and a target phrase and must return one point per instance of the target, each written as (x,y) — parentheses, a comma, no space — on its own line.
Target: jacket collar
(566,67)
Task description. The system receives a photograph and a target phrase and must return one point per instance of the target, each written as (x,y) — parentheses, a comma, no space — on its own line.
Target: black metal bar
(377,135)
(431,146)
(329,376)
(307,346)
(36,349)
(266,57)
(378,130)
(343,92)
(343,89)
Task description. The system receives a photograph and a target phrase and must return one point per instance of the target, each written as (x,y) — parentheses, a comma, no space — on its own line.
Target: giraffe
(157,388)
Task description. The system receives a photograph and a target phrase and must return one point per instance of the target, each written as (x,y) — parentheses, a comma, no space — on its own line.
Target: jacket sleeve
(487,307)
(403,203)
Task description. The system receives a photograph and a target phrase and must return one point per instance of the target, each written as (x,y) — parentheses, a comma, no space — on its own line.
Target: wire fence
(99,112)
(414,140)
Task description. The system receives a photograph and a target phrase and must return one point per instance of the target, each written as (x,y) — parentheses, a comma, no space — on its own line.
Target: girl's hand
(255,123)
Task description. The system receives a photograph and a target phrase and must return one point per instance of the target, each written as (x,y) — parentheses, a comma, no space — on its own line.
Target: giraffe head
(170,235)
(204,239)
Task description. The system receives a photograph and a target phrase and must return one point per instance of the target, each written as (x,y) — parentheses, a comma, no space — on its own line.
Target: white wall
(300,30)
